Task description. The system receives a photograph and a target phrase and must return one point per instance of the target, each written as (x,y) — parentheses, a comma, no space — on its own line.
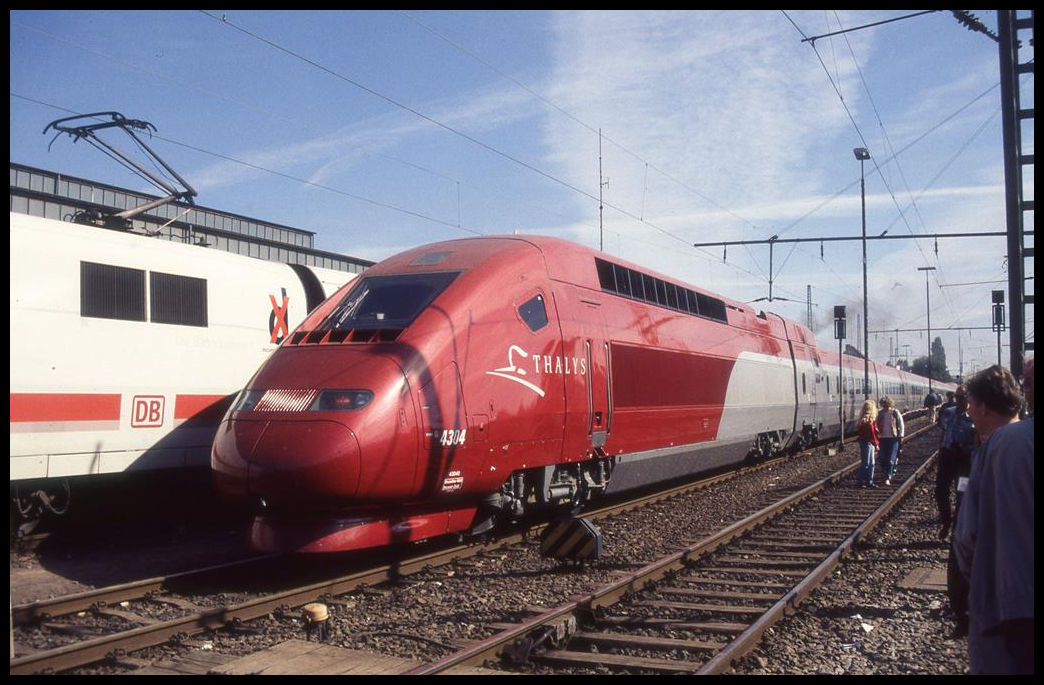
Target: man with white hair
(993,540)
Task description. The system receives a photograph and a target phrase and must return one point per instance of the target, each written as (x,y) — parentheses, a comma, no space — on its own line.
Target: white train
(127,350)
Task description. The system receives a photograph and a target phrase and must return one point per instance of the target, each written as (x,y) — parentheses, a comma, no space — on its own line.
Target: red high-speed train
(470,381)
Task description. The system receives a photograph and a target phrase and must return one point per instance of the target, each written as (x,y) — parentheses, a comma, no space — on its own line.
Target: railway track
(699,610)
(127,604)
(135,602)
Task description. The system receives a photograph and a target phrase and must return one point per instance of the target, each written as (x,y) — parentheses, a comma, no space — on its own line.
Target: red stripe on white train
(49,412)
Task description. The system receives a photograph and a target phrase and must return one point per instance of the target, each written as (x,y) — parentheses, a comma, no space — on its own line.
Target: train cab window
(112,292)
(386,301)
(534,313)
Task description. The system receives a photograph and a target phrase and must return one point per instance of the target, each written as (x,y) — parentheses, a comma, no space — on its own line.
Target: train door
(588,396)
(815,391)
(599,407)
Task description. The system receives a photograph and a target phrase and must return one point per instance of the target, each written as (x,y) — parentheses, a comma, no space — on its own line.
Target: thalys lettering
(554,364)
(542,364)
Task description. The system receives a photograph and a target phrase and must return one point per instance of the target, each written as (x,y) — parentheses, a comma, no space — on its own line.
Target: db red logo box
(147,411)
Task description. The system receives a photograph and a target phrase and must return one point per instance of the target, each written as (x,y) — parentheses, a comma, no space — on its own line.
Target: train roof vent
(374,335)
(338,337)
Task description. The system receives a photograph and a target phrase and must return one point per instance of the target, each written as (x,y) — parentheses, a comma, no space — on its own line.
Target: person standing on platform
(931,403)
(950,402)
(956,443)
(868,444)
(891,428)
(993,540)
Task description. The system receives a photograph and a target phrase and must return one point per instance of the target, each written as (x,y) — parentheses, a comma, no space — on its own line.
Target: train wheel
(30,505)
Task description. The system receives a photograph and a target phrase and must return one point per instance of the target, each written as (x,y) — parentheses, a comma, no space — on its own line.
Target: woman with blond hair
(869,437)
(891,429)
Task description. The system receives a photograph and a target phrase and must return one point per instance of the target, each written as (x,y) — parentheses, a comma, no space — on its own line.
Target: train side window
(534,313)
(661,293)
(623,280)
(112,292)
(637,285)
(650,288)
(672,295)
(606,275)
(177,299)
(711,307)
(694,307)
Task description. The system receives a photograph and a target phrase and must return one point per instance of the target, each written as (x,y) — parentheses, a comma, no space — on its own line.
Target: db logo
(147,411)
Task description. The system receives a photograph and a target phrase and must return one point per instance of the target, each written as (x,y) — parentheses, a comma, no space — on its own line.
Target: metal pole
(928,303)
(862,154)
(839,333)
(771,243)
(1009,77)
(600,185)
(841,389)
(866,307)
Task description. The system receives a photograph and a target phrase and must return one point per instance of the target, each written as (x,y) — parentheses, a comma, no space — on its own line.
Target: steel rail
(43,609)
(577,608)
(29,612)
(749,639)
(79,654)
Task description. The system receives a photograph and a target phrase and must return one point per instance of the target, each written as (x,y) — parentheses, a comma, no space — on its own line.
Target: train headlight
(299,400)
(247,400)
(341,400)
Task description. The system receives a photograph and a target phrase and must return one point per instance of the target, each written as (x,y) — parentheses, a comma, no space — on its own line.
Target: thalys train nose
(286,463)
(349,437)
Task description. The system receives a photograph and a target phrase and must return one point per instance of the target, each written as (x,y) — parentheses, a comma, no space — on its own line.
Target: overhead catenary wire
(591,128)
(650,208)
(182,85)
(451,129)
(893,154)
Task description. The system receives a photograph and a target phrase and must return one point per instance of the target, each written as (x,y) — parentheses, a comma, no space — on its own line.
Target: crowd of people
(984,498)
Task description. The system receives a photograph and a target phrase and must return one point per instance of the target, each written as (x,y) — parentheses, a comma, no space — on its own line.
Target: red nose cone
(301,464)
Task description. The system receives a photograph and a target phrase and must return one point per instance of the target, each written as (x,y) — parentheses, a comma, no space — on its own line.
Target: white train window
(112,292)
(177,299)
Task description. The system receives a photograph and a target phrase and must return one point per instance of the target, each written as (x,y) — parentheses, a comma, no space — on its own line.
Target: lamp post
(928,303)
(862,154)
(839,333)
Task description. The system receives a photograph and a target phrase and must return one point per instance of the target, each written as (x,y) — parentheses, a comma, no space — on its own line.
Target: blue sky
(383,130)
